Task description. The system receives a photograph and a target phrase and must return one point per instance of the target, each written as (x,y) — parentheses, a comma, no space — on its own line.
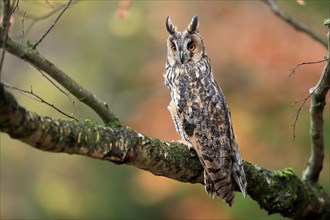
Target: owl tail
(219,181)
(219,184)
(238,170)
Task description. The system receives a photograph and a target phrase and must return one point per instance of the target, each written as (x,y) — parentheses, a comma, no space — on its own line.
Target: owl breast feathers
(200,112)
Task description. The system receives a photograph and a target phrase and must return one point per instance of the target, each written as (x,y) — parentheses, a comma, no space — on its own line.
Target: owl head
(184,47)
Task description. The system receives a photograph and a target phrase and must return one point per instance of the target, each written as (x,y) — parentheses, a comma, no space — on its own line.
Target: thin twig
(35,19)
(293,70)
(5,26)
(36,97)
(296,115)
(304,100)
(67,94)
(23,33)
(52,26)
(297,25)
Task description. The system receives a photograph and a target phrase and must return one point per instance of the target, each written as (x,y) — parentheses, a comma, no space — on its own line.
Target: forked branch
(318,101)
(317,94)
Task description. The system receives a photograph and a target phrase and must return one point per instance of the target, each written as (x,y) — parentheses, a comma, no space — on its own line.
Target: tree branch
(318,101)
(297,25)
(277,192)
(34,58)
(317,94)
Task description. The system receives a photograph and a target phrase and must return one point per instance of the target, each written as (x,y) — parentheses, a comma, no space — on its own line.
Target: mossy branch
(275,191)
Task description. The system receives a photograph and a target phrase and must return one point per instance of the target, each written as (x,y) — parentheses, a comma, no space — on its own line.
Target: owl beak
(182,57)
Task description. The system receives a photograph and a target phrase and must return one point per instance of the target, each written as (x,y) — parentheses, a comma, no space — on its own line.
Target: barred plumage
(200,112)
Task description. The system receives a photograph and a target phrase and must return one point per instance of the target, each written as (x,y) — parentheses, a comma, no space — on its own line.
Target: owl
(200,112)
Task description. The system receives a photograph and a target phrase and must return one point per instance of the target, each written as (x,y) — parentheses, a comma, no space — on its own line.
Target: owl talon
(190,147)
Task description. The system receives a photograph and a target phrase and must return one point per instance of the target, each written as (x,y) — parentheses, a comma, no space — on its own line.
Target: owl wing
(237,163)
(218,160)
(206,123)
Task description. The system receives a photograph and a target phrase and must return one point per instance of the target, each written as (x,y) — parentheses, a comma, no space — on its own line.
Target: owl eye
(173,48)
(191,46)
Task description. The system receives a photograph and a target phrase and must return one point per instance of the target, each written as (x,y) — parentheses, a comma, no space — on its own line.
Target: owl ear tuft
(192,27)
(170,26)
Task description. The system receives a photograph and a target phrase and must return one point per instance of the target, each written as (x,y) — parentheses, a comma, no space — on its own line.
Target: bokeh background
(121,58)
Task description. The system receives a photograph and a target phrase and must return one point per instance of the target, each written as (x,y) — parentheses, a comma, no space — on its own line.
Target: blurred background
(118,52)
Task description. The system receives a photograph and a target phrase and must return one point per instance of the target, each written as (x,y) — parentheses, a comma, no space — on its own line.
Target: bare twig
(67,94)
(296,115)
(36,97)
(23,33)
(35,19)
(293,70)
(297,25)
(318,101)
(304,100)
(5,26)
(53,25)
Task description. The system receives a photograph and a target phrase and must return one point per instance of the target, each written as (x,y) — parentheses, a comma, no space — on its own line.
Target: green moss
(88,122)
(115,124)
(276,190)
(285,173)
(29,45)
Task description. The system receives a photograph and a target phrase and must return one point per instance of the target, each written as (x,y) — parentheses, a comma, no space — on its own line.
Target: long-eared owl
(200,112)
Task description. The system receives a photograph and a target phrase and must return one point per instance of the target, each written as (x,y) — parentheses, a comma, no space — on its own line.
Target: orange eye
(173,48)
(191,47)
